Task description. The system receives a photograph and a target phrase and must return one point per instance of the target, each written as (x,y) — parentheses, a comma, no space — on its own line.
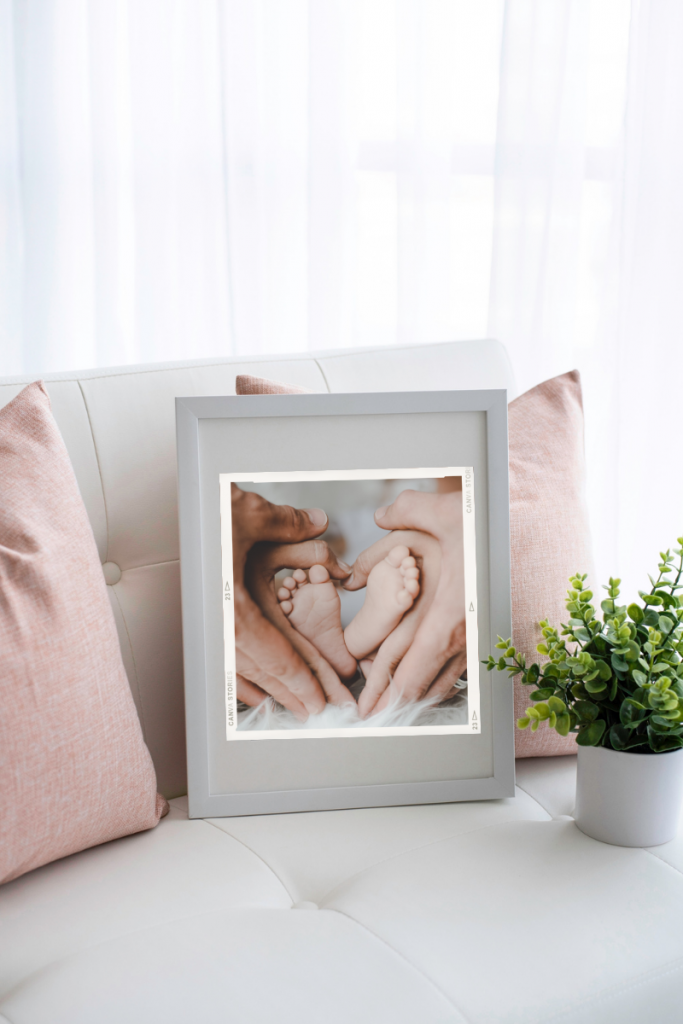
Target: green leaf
(633,651)
(595,686)
(618,665)
(635,613)
(542,710)
(541,648)
(563,724)
(522,723)
(557,705)
(660,722)
(622,739)
(618,737)
(543,693)
(628,713)
(586,710)
(660,744)
(665,623)
(639,677)
(604,670)
(590,735)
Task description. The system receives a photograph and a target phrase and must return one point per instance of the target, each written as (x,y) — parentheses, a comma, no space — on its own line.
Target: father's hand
(436,655)
(266,661)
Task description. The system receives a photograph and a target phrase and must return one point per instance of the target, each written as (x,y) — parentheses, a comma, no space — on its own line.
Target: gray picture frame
(259,433)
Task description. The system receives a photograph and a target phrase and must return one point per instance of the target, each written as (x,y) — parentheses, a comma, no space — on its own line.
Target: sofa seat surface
(498,911)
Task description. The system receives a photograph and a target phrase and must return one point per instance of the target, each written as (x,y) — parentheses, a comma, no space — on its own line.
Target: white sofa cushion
(471,913)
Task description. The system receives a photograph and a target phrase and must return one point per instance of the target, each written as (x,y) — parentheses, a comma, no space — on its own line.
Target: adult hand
(267,663)
(436,655)
(263,562)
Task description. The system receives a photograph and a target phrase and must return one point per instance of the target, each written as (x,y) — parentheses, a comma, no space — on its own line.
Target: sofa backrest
(119,427)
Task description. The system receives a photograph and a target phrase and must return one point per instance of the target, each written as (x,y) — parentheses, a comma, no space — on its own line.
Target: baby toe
(411,574)
(289,582)
(397,555)
(283,594)
(318,574)
(286,607)
(404,599)
(408,563)
(299,575)
(412,586)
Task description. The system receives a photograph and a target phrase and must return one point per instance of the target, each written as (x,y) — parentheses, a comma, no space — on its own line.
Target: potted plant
(620,689)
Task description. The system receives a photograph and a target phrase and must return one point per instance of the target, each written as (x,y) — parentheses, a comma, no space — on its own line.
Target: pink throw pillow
(549,530)
(245,384)
(74,768)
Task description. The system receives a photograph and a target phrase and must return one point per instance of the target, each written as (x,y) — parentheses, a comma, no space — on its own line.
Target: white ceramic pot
(629,799)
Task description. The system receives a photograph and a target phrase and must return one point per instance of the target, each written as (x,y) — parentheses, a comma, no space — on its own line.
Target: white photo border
(473,725)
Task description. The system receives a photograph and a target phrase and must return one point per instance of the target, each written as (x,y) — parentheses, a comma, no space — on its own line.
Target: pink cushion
(74,767)
(549,532)
(245,384)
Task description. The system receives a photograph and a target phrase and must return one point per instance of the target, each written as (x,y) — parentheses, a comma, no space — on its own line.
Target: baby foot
(392,587)
(314,609)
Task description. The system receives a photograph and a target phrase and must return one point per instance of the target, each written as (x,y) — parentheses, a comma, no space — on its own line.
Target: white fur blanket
(270,715)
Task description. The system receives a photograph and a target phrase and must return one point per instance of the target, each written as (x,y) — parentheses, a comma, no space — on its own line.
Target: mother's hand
(428,652)
(267,662)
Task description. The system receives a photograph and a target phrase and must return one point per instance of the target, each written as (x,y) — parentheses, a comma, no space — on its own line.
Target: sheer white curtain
(645,500)
(189,178)
(588,246)
(195,177)
(114,183)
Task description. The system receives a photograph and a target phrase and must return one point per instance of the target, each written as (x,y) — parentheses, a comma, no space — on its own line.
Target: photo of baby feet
(313,607)
(378,640)
(392,587)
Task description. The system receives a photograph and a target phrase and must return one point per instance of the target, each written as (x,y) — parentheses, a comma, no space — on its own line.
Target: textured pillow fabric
(245,384)
(74,768)
(549,531)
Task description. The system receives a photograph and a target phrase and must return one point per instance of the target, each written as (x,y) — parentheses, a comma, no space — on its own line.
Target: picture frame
(286,441)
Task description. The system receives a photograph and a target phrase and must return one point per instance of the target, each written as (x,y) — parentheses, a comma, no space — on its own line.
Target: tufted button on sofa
(475,913)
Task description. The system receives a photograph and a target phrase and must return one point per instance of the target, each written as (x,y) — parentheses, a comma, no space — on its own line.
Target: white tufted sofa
(475,913)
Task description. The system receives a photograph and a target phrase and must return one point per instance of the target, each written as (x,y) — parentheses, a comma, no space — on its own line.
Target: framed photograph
(345,570)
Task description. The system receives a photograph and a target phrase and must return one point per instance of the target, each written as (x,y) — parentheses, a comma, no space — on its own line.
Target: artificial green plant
(621,685)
